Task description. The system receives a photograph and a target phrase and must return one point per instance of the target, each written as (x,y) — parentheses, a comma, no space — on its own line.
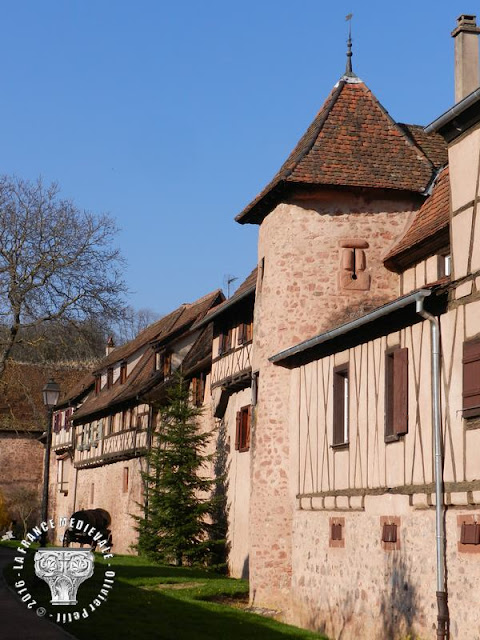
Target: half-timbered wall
(371,479)
(237,485)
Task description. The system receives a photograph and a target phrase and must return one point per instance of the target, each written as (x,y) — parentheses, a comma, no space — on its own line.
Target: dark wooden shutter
(339,406)
(238,429)
(471,379)
(400,392)
(241,333)
(470,533)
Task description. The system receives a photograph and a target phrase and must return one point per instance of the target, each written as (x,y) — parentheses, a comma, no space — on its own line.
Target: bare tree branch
(57,262)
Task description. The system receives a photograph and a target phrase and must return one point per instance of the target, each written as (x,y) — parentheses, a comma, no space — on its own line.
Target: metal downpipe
(442,605)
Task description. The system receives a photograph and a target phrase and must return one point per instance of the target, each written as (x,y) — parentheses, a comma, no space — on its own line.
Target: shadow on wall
(333,618)
(219,528)
(393,614)
(399,602)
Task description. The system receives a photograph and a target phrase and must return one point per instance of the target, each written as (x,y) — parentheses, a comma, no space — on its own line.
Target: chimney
(110,346)
(466,56)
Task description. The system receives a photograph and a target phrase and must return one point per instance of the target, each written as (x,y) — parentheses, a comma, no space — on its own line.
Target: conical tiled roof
(352,142)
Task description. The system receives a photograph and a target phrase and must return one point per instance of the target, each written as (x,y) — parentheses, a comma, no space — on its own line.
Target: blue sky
(172,116)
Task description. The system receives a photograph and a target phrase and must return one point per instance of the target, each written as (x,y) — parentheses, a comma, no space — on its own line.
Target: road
(16,621)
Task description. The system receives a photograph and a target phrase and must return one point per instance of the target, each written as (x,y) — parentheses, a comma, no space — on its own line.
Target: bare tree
(133,322)
(56,262)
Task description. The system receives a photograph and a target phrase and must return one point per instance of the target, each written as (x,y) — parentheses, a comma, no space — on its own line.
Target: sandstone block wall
(298,296)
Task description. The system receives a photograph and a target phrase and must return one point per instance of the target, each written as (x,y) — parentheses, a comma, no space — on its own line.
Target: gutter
(442,605)
(390,307)
(454,111)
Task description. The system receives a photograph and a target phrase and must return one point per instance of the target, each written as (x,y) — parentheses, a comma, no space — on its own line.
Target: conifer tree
(175,526)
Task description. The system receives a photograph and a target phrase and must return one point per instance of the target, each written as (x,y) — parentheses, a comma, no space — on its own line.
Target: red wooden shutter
(238,429)
(389,393)
(339,406)
(471,379)
(249,427)
(400,392)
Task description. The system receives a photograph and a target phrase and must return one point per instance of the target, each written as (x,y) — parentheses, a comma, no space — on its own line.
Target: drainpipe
(442,606)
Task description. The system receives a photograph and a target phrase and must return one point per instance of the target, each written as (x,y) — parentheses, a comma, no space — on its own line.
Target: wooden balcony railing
(232,364)
(121,445)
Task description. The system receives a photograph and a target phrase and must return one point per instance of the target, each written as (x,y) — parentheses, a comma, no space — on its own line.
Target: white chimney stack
(466,56)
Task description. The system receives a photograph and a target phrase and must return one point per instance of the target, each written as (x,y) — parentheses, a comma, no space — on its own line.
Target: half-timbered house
(102,443)
(233,396)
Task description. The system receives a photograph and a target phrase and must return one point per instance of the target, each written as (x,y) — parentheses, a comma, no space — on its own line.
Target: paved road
(16,621)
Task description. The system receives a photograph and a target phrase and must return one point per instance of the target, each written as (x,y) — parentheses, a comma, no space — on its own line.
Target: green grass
(143,605)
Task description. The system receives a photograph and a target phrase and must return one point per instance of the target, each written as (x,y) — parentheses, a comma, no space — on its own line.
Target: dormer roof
(428,231)
(353,142)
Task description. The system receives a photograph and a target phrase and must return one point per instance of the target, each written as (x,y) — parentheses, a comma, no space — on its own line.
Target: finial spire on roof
(348,69)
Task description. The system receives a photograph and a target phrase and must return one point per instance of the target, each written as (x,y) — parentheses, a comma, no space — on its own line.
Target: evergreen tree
(175,525)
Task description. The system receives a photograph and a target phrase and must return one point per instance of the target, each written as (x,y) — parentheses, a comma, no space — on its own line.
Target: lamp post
(50,392)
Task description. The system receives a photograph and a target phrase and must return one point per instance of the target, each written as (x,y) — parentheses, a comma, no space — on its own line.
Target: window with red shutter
(396,393)
(242,432)
(123,372)
(471,379)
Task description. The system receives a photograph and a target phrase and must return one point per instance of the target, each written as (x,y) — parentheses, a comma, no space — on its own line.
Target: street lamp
(51,392)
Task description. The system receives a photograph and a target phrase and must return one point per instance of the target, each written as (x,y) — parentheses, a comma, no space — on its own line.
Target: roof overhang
(458,119)
(385,319)
(224,306)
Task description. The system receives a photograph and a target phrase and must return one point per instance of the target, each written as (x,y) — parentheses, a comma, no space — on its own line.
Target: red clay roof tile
(354,142)
(432,217)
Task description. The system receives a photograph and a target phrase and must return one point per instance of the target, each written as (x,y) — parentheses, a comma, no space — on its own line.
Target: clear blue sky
(172,116)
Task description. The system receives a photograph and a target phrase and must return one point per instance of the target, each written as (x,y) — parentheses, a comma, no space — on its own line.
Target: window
(242,436)
(444,265)
(167,364)
(163,363)
(390,537)
(396,393)
(340,405)
(337,528)
(471,379)
(225,341)
(245,332)
(109,377)
(68,418)
(62,476)
(123,372)
(198,390)
(468,533)
(98,383)
(57,424)
(125,480)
